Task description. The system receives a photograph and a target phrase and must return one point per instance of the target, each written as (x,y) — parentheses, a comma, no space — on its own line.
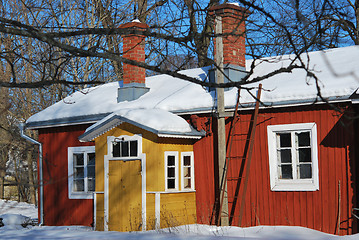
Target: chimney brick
(133,49)
(233,29)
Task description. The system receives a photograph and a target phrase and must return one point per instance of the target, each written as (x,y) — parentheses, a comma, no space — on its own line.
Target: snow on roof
(336,70)
(158,121)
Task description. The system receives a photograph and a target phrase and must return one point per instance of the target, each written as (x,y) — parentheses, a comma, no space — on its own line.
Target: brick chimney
(133,49)
(233,29)
(234,49)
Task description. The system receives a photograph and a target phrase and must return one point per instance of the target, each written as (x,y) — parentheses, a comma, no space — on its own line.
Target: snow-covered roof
(337,71)
(158,121)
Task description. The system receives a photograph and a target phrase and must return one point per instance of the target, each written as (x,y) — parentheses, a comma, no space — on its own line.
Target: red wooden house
(303,164)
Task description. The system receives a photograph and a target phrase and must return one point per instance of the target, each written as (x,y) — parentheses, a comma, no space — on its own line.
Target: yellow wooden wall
(150,208)
(178,209)
(155,164)
(99,211)
(180,205)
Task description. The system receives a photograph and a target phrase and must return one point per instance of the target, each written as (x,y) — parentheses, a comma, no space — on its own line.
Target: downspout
(41,200)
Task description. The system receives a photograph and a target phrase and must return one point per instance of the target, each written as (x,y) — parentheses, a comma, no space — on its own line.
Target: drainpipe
(41,200)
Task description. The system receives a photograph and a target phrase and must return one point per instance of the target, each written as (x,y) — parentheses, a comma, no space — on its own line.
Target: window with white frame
(293,157)
(171,171)
(125,147)
(81,170)
(187,171)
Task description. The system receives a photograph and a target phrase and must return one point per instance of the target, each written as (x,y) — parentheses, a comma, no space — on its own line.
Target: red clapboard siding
(58,208)
(317,210)
(204,174)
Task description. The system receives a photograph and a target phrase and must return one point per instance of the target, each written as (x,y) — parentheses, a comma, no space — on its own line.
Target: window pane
(170,183)
(286,171)
(285,156)
(305,171)
(116,149)
(133,148)
(79,186)
(91,171)
(124,149)
(305,155)
(78,159)
(187,183)
(91,159)
(91,185)
(187,161)
(303,139)
(171,172)
(78,172)
(187,172)
(170,160)
(285,140)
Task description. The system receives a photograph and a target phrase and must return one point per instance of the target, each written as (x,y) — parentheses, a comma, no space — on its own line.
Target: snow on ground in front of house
(17,212)
(13,207)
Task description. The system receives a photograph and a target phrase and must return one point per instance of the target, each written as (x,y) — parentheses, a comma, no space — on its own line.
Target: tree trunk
(32,193)
(2,175)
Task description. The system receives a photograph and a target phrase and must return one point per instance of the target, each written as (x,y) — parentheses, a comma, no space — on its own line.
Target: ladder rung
(232,178)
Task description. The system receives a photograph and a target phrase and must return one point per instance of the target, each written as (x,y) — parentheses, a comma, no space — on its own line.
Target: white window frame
(292,184)
(112,139)
(190,154)
(175,154)
(78,195)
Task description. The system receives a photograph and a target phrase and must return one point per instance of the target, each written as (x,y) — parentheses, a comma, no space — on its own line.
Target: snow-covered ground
(14,214)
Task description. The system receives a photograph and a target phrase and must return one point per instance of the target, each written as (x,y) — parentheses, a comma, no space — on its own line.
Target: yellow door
(125,189)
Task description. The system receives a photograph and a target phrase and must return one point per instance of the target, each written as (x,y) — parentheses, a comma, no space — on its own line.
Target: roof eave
(89,119)
(116,120)
(59,122)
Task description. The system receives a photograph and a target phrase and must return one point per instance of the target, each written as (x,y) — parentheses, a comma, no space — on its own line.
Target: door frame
(107,158)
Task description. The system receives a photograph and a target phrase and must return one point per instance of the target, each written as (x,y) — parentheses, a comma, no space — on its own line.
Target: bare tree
(49,49)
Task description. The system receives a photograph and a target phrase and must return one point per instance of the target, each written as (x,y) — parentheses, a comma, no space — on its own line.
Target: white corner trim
(175,154)
(157,210)
(94,210)
(191,155)
(70,172)
(144,189)
(295,184)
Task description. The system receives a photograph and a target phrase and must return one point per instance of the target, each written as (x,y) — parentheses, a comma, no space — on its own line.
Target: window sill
(295,186)
(125,158)
(174,191)
(80,195)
